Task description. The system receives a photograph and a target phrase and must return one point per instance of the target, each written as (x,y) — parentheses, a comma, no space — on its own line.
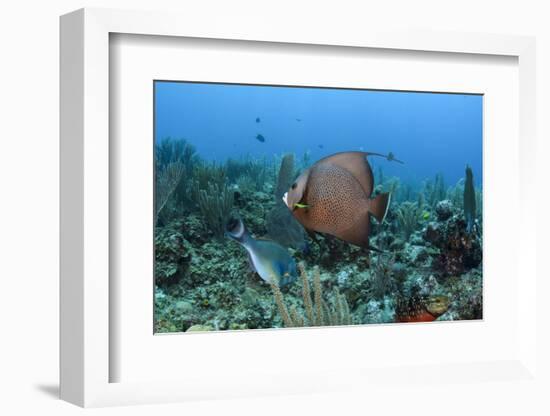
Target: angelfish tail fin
(379,205)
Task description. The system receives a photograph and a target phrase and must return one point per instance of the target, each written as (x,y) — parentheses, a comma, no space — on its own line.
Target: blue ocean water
(431,132)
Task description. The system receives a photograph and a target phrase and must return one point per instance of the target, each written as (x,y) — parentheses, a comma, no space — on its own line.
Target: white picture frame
(86,356)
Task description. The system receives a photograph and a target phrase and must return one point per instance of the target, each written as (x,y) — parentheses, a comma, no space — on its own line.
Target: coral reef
(381,276)
(435,191)
(469,200)
(205,174)
(174,164)
(202,282)
(444,210)
(249,173)
(173,254)
(408,216)
(168,180)
(420,308)
(215,204)
(455,194)
(318,312)
(459,250)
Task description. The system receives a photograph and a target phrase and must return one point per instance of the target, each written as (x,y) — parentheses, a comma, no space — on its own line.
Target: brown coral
(317,313)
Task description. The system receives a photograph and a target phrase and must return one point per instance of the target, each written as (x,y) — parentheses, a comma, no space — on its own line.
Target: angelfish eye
(294,185)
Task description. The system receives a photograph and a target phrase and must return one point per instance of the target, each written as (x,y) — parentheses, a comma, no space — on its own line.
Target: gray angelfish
(334,196)
(266,257)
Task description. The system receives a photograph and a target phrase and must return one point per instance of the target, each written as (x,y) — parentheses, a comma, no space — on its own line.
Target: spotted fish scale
(337,203)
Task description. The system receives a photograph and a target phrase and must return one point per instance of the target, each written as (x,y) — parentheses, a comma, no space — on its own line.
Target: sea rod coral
(317,312)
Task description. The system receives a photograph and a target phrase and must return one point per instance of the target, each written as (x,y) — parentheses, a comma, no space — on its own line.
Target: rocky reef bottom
(206,283)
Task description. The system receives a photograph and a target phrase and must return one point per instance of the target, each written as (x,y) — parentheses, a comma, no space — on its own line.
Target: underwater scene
(283,206)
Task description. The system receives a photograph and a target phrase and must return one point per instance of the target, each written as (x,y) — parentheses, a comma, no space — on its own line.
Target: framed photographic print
(275,206)
(328,232)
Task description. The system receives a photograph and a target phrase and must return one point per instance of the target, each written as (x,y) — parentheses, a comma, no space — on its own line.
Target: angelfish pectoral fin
(379,205)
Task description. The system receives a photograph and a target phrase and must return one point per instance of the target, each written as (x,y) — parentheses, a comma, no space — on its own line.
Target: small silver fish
(266,257)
